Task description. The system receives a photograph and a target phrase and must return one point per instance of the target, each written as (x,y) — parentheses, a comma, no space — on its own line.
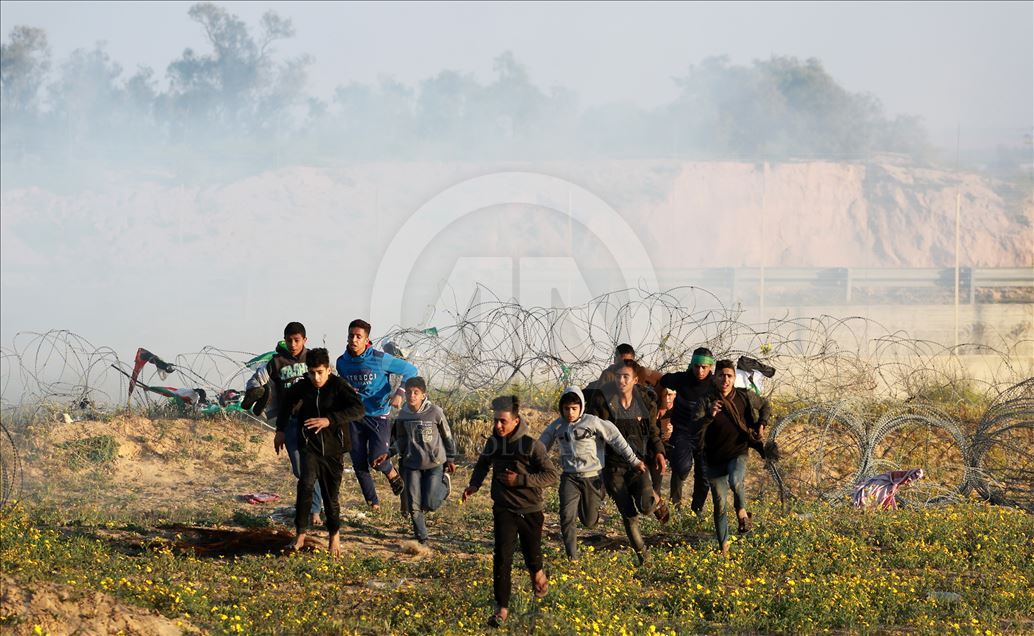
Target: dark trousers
(326,470)
(580,499)
(686,458)
(370,438)
(630,489)
(509,527)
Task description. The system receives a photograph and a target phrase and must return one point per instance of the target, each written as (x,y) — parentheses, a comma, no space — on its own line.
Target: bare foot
(745,523)
(540,583)
(299,542)
(335,545)
(499,617)
(725,549)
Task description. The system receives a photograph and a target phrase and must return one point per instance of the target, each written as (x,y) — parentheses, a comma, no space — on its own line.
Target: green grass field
(964,568)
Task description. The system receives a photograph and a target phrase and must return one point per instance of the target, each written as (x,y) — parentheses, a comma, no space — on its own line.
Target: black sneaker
(397,484)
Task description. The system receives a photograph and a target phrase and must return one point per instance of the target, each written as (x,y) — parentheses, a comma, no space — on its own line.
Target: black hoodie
(336,400)
(690,398)
(525,456)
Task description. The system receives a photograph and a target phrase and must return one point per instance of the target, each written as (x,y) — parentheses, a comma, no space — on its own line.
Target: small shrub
(98,450)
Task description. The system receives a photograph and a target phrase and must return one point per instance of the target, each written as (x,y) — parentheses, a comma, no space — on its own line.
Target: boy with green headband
(691,389)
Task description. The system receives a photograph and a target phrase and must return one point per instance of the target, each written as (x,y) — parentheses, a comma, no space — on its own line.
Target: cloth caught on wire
(879,492)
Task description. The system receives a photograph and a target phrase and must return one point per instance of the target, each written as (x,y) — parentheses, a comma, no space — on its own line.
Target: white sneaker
(447,480)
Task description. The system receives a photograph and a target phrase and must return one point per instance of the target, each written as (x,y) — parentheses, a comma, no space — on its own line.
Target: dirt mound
(58,609)
(140,465)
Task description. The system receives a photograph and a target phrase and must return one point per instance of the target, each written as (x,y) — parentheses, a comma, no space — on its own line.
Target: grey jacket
(422,438)
(583,442)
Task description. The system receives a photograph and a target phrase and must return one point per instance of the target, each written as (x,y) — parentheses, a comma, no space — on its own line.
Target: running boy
(367,369)
(634,413)
(269,383)
(324,404)
(583,439)
(520,469)
(427,454)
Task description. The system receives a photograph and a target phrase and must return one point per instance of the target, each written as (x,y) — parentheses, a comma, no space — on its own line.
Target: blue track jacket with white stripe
(368,375)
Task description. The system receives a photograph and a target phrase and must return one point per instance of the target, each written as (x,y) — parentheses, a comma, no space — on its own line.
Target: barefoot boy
(267,386)
(583,439)
(324,405)
(520,469)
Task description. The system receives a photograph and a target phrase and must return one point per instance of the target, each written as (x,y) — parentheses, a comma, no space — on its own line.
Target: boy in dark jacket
(521,468)
(691,387)
(734,421)
(324,404)
(634,413)
(427,454)
(266,388)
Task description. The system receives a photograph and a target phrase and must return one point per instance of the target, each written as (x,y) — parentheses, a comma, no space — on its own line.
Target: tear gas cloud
(181,174)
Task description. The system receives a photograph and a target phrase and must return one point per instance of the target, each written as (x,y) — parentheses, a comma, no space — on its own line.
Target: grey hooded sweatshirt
(422,438)
(583,442)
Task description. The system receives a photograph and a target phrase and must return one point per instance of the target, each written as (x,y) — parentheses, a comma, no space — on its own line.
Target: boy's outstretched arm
(477,476)
(548,437)
(447,440)
(398,366)
(259,378)
(653,434)
(613,437)
(765,412)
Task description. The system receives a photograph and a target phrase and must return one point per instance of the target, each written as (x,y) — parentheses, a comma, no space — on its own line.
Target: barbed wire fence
(859,398)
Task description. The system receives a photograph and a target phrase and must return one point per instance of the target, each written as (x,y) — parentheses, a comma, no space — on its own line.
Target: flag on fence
(143,356)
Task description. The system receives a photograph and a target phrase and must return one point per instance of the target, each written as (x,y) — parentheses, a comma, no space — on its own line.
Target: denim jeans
(425,492)
(291,435)
(370,437)
(723,478)
(686,458)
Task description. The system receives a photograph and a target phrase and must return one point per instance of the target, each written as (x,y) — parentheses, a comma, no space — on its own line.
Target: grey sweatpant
(580,499)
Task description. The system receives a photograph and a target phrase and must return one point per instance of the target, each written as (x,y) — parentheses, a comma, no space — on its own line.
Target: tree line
(240,100)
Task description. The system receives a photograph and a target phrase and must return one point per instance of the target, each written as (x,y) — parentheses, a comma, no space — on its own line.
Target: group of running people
(619,434)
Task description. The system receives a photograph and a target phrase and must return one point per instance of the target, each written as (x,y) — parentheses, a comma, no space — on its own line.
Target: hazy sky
(952,63)
(201,267)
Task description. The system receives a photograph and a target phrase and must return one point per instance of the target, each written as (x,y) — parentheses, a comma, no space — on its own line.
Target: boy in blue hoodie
(367,370)
(427,453)
(583,439)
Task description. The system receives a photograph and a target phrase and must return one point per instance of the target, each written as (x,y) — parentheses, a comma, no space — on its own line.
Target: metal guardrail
(849,278)
(869,277)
